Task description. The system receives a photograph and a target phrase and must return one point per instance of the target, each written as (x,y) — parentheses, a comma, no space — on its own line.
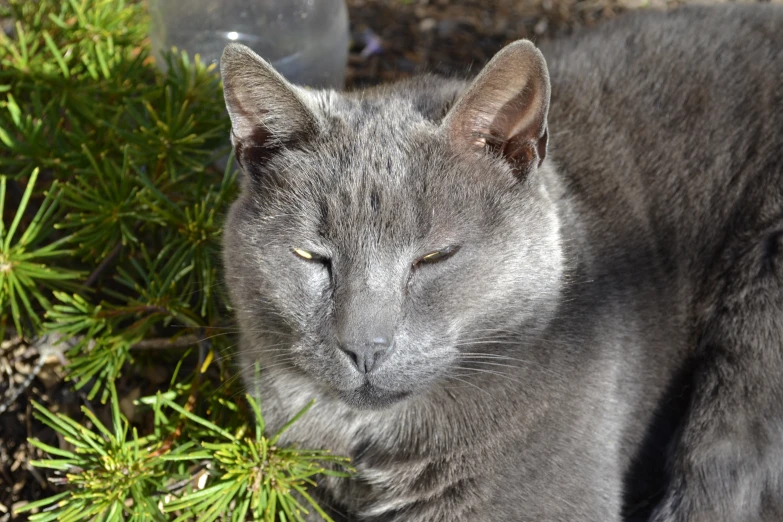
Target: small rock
(19,486)
(427,25)
(18,505)
(10,343)
(447,27)
(22,368)
(372,43)
(50,376)
(541,26)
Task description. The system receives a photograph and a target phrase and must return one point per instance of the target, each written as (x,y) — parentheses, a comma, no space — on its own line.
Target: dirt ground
(397,38)
(392,39)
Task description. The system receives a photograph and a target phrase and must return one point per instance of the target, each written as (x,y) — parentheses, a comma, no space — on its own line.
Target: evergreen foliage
(111,219)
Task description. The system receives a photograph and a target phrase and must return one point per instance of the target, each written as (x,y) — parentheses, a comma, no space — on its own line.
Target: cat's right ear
(505,109)
(266,111)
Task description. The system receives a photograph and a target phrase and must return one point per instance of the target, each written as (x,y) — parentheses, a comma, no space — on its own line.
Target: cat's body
(607,342)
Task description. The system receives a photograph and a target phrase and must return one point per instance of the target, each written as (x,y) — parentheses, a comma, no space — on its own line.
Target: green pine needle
(114,475)
(111,216)
(253,474)
(26,262)
(108,469)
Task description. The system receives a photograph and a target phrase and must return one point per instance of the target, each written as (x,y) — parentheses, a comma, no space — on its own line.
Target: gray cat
(508,310)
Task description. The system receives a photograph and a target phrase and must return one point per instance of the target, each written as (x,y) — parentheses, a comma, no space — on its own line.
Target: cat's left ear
(505,109)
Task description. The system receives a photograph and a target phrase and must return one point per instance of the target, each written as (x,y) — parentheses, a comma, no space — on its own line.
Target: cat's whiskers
(231,329)
(494,330)
(528,364)
(495,364)
(261,367)
(519,340)
(493,357)
(272,350)
(470,342)
(276,216)
(489,372)
(456,378)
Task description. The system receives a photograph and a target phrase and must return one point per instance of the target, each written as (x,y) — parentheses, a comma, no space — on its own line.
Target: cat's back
(676,118)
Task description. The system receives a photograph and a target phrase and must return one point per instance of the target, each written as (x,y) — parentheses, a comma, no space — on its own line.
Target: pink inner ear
(526,107)
(507,106)
(507,115)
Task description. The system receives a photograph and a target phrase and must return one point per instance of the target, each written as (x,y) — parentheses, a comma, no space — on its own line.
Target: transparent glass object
(305,40)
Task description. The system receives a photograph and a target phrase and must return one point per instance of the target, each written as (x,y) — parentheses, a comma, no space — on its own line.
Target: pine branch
(107,261)
(136,214)
(166,343)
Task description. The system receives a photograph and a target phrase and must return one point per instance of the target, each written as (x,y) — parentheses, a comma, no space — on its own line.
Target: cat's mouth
(370,397)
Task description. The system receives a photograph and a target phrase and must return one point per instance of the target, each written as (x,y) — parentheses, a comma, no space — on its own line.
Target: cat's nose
(368,355)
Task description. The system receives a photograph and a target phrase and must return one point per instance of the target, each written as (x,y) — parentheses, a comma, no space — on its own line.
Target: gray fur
(607,342)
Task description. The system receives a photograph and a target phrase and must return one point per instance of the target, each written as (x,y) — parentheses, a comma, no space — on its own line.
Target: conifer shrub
(111,208)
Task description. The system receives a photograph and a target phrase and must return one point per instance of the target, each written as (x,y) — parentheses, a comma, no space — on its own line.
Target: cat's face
(371,255)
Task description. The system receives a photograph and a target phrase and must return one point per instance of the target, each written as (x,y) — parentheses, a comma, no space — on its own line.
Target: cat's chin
(369,397)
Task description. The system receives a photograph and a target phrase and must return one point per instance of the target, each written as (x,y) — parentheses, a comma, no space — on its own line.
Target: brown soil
(397,38)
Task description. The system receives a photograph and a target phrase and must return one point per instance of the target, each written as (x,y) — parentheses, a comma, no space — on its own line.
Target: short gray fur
(606,343)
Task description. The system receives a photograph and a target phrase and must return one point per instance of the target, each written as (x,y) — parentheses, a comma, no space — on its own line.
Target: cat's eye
(437,256)
(310,256)
(304,254)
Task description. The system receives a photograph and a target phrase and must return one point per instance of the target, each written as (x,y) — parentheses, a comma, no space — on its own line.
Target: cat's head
(380,236)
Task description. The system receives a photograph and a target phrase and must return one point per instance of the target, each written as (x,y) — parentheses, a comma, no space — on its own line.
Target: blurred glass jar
(305,40)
